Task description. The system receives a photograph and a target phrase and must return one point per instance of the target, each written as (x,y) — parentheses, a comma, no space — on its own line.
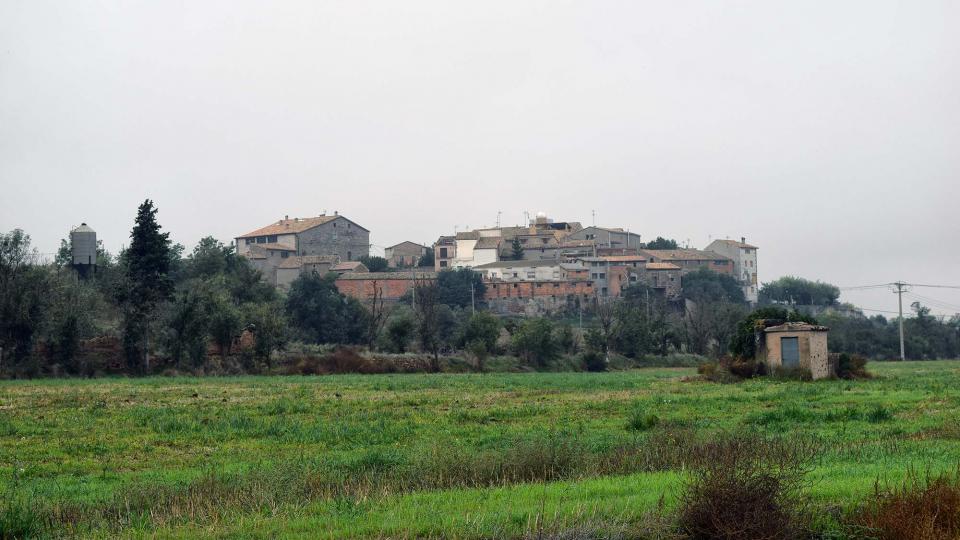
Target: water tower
(83,244)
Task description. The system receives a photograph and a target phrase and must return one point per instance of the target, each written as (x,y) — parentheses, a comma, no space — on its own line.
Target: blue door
(790,352)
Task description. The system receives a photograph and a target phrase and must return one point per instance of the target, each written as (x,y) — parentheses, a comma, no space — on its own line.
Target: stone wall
(337,237)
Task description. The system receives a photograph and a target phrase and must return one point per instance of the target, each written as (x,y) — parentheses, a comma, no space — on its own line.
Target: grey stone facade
(339,236)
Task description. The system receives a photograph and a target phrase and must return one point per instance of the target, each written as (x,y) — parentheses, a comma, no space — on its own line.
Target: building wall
(606,238)
(362,289)
(243,244)
(531,289)
(337,237)
(484,256)
(744,267)
(444,253)
(813,351)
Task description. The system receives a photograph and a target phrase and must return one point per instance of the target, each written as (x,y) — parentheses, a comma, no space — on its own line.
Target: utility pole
(899,286)
(473,304)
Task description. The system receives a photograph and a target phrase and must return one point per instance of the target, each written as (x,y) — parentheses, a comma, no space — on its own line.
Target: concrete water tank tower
(83,244)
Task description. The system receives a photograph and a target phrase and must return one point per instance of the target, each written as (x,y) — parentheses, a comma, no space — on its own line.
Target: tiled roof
(487,242)
(320,259)
(468,235)
(388,275)
(296,225)
(290,226)
(519,264)
(685,254)
(407,243)
(622,258)
(350,266)
(797,327)
(661,266)
(737,244)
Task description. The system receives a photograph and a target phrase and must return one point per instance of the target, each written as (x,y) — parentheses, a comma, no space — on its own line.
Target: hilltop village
(542,268)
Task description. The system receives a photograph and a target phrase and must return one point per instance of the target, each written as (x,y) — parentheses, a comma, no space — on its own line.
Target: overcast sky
(827,133)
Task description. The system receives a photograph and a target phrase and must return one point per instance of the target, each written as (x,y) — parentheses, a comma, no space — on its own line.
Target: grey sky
(827,133)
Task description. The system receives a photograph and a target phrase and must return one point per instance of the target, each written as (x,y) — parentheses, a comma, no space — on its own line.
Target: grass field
(495,455)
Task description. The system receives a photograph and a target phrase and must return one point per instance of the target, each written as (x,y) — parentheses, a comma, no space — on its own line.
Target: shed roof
(350,266)
(797,327)
(737,244)
(295,225)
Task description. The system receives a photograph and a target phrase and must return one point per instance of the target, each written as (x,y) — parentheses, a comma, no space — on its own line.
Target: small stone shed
(797,345)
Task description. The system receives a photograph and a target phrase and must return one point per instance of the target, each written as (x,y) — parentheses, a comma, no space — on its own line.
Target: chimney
(286,217)
(743,239)
(336,213)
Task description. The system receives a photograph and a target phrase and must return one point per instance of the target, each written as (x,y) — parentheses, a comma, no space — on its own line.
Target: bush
(642,421)
(879,414)
(852,366)
(594,361)
(927,508)
(744,368)
(745,487)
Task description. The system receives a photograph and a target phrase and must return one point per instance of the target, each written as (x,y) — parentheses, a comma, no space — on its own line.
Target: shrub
(745,487)
(922,508)
(852,366)
(642,421)
(744,368)
(879,414)
(594,361)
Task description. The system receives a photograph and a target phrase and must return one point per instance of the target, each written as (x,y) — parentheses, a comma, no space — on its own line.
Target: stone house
(690,259)
(291,268)
(405,254)
(320,235)
(444,252)
(604,237)
(744,257)
(796,345)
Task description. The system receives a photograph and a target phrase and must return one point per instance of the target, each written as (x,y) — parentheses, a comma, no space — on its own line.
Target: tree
(148,262)
(322,314)
(662,243)
(186,326)
(269,328)
(427,260)
(480,336)
(399,332)
(374,263)
(516,249)
(426,302)
(703,285)
(210,258)
(796,290)
(24,298)
(534,341)
(454,287)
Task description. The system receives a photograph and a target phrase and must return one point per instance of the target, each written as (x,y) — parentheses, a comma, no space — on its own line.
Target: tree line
(165,308)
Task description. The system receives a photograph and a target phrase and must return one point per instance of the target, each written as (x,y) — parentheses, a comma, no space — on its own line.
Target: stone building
(690,259)
(744,257)
(405,254)
(320,235)
(796,345)
(604,237)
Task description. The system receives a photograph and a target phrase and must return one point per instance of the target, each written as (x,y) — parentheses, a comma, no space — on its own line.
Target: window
(790,352)
(443,253)
(334,224)
(593,275)
(284,254)
(539,285)
(556,285)
(602,275)
(516,275)
(261,239)
(545,240)
(272,239)
(349,255)
(249,241)
(443,264)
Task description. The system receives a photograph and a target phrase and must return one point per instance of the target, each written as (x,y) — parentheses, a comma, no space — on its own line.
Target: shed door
(790,352)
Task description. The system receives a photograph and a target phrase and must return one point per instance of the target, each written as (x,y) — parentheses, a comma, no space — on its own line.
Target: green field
(463,455)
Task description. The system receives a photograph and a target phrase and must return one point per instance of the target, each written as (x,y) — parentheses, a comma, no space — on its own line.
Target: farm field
(459,455)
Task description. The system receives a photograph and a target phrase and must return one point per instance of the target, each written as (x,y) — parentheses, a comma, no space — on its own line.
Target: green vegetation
(796,290)
(469,455)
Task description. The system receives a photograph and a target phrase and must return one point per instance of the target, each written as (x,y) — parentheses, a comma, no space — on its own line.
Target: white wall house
(525,270)
(744,258)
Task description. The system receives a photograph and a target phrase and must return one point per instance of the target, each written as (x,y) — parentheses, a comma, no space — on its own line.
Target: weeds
(927,508)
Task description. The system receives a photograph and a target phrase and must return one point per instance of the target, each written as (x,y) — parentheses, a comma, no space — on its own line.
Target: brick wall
(362,289)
